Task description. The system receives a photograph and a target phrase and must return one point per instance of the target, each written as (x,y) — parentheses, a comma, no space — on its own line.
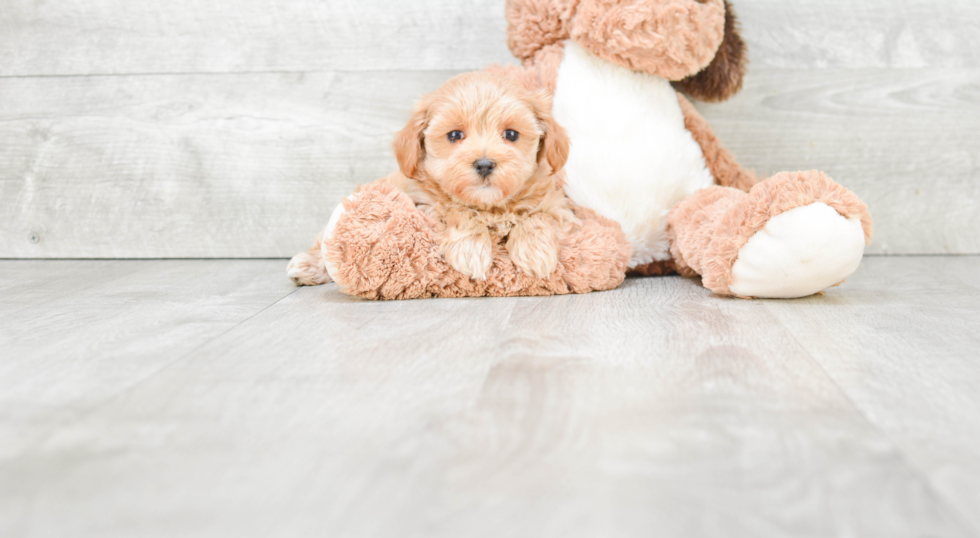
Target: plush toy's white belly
(632,159)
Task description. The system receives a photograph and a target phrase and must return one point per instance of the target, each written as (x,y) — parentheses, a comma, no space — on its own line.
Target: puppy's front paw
(470,254)
(533,247)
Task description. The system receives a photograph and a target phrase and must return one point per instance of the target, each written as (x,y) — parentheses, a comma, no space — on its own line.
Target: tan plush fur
(669,38)
(534,24)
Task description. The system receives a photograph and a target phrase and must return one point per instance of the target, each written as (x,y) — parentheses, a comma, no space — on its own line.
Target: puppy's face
(480,138)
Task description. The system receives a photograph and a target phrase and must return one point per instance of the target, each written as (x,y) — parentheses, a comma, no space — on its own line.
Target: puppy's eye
(511,135)
(455,136)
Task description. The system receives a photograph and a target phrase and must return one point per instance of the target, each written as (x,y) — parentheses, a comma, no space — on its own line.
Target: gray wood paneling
(655,408)
(190,165)
(277,109)
(809,34)
(84,37)
(251,165)
(81,37)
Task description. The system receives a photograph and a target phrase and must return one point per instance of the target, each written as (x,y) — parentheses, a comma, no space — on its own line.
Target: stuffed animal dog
(643,156)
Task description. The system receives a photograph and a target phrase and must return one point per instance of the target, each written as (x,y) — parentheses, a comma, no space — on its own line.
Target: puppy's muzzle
(484,167)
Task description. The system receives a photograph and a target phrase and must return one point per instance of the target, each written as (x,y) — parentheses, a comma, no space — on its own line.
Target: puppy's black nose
(484,167)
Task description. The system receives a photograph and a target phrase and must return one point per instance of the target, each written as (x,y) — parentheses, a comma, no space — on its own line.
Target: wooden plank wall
(230,128)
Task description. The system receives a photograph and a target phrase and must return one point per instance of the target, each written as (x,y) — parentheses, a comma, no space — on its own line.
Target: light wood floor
(212,398)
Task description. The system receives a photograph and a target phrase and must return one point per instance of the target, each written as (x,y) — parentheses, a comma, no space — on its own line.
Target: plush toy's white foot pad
(800,252)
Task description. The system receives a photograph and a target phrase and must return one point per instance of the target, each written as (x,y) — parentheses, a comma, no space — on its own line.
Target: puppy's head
(481,137)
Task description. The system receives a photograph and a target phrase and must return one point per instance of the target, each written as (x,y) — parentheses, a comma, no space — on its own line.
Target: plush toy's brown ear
(554,144)
(723,76)
(409,143)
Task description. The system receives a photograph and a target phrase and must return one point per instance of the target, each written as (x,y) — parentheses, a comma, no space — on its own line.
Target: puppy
(481,154)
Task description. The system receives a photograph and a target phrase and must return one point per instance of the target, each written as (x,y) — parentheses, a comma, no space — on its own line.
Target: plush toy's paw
(792,235)
(308,269)
(798,253)
(469,253)
(533,247)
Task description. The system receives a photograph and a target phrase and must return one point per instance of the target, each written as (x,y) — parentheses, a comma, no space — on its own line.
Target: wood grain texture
(191,166)
(75,335)
(88,37)
(800,34)
(652,409)
(903,344)
(83,37)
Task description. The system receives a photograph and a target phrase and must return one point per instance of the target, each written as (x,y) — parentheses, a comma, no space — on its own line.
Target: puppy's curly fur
(481,155)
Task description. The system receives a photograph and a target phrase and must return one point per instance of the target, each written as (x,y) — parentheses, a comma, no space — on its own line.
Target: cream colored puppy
(485,151)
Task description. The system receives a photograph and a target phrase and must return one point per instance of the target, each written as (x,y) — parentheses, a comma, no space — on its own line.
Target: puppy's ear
(554,143)
(409,143)
(723,76)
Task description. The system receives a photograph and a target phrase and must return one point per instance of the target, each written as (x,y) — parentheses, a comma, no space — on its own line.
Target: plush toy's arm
(379,245)
(727,171)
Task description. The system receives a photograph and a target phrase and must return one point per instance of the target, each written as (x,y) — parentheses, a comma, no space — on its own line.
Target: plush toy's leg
(792,235)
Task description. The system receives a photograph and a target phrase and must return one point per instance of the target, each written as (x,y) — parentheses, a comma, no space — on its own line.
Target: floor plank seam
(963,520)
